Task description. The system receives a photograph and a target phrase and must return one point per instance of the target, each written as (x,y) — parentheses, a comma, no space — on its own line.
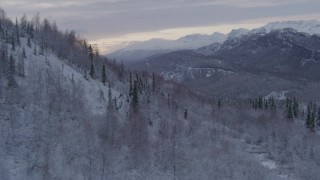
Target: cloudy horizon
(113,23)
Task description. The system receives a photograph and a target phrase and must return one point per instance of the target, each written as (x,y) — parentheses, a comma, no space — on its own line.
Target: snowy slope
(95,91)
(309,27)
(235,33)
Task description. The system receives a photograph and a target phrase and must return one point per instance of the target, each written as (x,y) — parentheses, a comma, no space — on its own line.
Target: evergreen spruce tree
(310,120)
(23,23)
(13,44)
(35,50)
(318,119)
(219,103)
(290,112)
(313,114)
(260,102)
(272,102)
(17,33)
(256,102)
(21,64)
(130,85)
(29,42)
(135,97)
(110,105)
(295,107)
(12,71)
(185,114)
(266,104)
(287,103)
(104,75)
(85,75)
(24,55)
(92,71)
(153,82)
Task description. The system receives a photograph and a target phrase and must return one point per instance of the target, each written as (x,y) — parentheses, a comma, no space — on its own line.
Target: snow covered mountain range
(142,50)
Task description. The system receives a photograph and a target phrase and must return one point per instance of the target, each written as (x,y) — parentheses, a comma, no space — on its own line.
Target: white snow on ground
(96,92)
(281,95)
(265,160)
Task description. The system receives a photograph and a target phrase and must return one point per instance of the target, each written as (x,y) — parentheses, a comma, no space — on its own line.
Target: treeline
(292,109)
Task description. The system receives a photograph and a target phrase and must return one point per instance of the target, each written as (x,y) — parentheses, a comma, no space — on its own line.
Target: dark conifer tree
(24,53)
(272,102)
(153,82)
(12,71)
(17,33)
(104,75)
(260,103)
(85,76)
(29,42)
(110,105)
(266,104)
(130,85)
(310,120)
(185,114)
(290,112)
(219,103)
(92,71)
(13,44)
(135,97)
(35,50)
(318,119)
(295,107)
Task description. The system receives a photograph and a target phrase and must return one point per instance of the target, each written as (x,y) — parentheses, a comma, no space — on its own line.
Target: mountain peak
(310,27)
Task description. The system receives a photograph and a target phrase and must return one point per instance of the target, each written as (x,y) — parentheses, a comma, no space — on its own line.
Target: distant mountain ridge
(206,44)
(310,27)
(280,58)
(141,50)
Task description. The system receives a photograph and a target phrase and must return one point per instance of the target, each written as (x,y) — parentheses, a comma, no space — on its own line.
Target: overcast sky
(112,23)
